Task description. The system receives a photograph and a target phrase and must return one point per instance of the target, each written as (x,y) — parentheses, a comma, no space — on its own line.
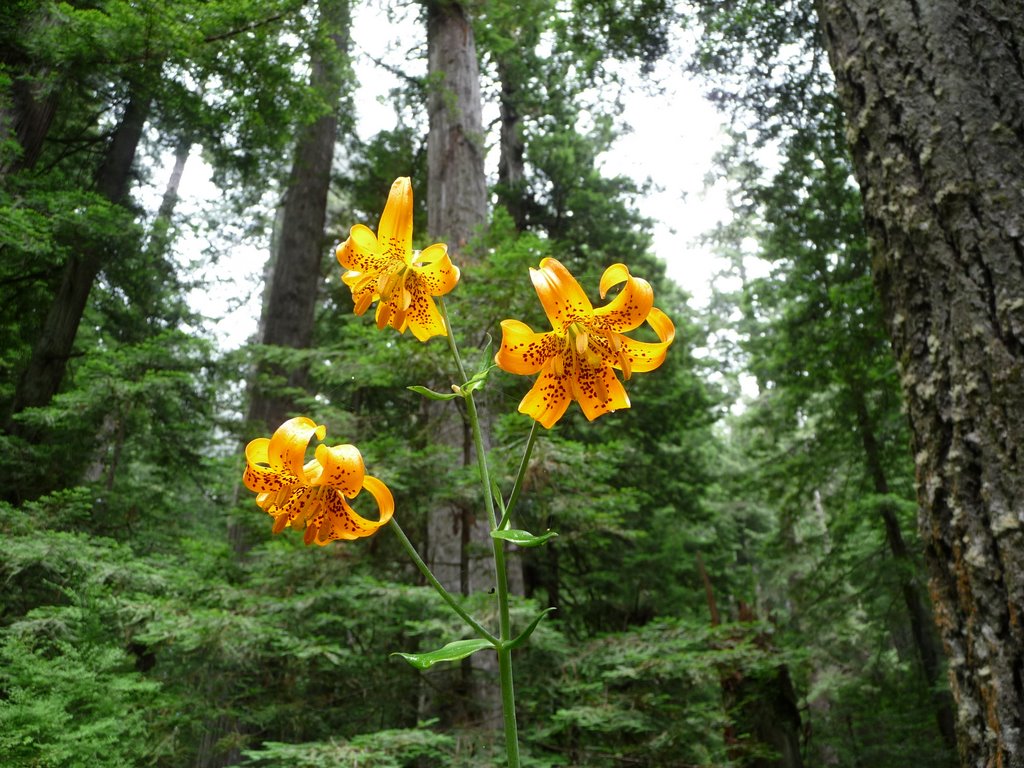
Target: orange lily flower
(385,268)
(312,494)
(578,358)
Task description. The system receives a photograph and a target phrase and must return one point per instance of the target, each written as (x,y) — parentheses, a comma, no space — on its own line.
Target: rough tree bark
(934,98)
(288,316)
(456,184)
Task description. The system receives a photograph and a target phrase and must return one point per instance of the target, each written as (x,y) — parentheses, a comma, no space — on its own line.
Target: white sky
(673,139)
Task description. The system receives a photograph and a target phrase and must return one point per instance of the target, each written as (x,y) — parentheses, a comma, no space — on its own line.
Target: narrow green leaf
(478,379)
(496,494)
(454,651)
(429,393)
(525,634)
(523,538)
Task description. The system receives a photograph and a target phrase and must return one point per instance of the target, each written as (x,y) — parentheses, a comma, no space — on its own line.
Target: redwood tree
(934,98)
(457,207)
(292,290)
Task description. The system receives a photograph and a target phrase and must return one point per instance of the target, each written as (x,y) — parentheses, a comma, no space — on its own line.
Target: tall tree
(456,209)
(456,184)
(934,99)
(296,272)
(27,110)
(41,380)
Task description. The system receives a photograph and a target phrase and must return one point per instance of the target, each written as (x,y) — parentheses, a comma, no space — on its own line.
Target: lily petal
(340,521)
(362,252)
(561,296)
(422,317)
(287,446)
(522,351)
(645,356)
(550,396)
(292,510)
(266,480)
(394,233)
(385,501)
(435,269)
(598,391)
(342,468)
(630,307)
(259,476)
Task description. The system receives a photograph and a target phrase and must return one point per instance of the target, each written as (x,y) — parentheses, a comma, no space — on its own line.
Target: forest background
(739,576)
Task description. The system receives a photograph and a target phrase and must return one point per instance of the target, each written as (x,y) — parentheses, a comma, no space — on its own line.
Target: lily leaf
(429,393)
(478,379)
(523,538)
(525,634)
(454,651)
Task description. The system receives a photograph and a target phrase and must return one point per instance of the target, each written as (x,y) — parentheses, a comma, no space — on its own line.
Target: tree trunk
(458,534)
(111,437)
(45,371)
(158,241)
(27,119)
(934,97)
(288,317)
(511,173)
(457,207)
(28,112)
(456,186)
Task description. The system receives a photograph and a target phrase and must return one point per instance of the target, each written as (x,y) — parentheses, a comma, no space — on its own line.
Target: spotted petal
(560,295)
(630,307)
(422,317)
(645,356)
(361,252)
(341,467)
(435,270)
(259,476)
(598,391)
(522,351)
(293,510)
(339,521)
(394,234)
(549,398)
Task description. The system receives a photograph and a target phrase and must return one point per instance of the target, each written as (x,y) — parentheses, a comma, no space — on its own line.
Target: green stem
(508,701)
(444,593)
